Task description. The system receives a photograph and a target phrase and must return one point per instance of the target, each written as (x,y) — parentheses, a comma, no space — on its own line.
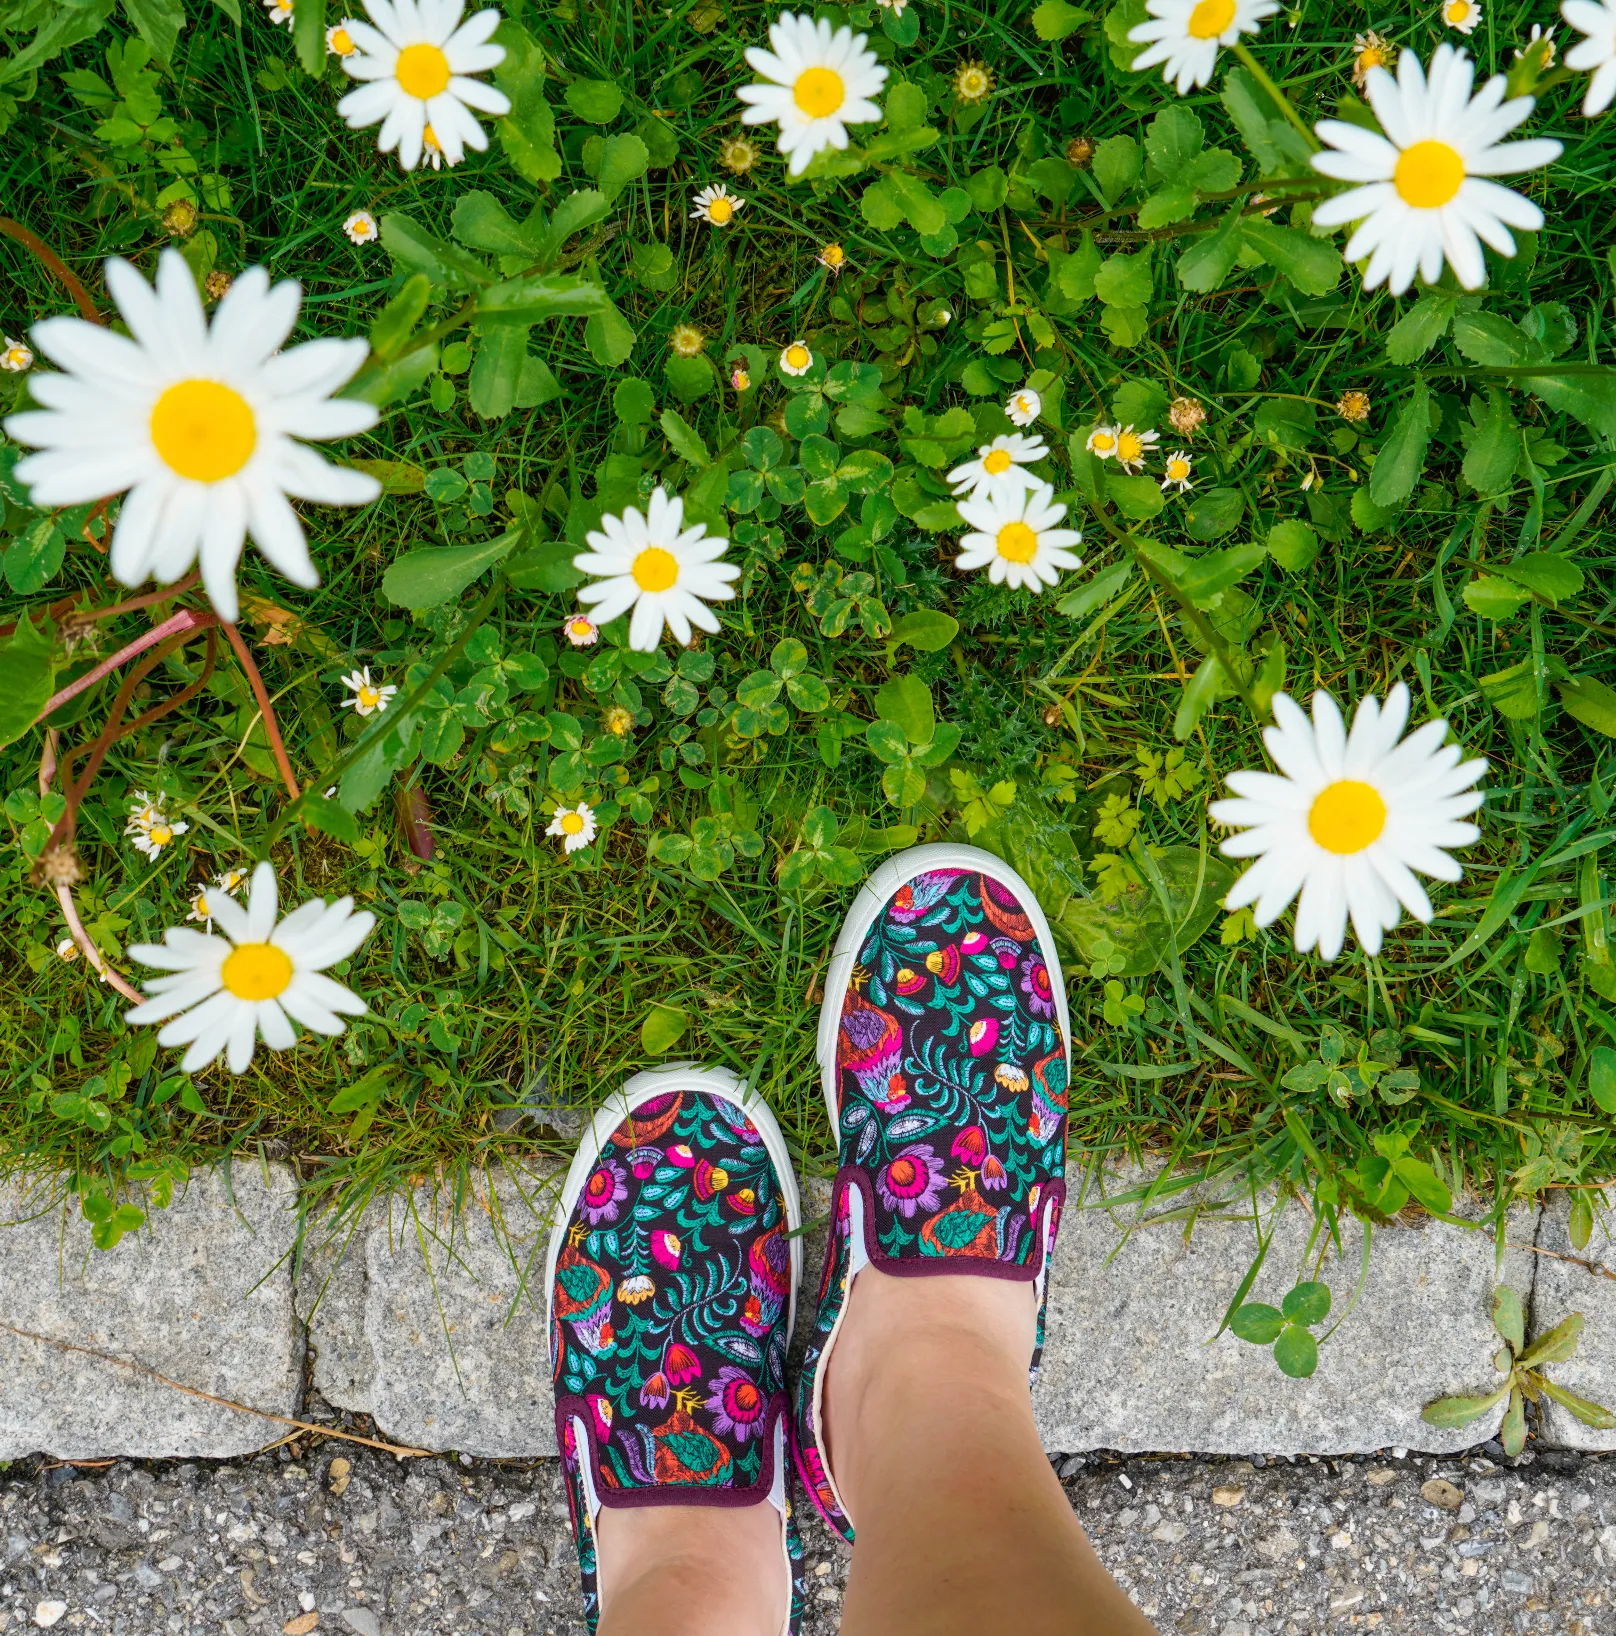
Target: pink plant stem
(187,619)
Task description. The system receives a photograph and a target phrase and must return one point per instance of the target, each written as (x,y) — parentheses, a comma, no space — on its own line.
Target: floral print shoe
(944,1057)
(672,1282)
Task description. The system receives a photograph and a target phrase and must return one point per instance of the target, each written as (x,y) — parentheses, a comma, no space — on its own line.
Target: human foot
(943,1049)
(671,1279)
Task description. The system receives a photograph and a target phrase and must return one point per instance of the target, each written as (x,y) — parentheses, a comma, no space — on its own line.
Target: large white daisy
(1597,20)
(256,979)
(417,62)
(1348,819)
(665,572)
(198,422)
(822,83)
(1000,468)
(1016,539)
(1425,195)
(1184,35)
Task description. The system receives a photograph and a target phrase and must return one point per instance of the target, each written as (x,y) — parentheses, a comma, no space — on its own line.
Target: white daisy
(198,422)
(1179,464)
(999,470)
(582,631)
(796,359)
(280,11)
(257,979)
(1132,447)
(368,697)
(1597,20)
(822,83)
(1184,35)
(575,826)
(143,809)
(417,62)
(716,205)
(1425,195)
(15,357)
(1348,818)
(894,6)
(339,40)
(1024,407)
(150,830)
(1532,39)
(205,897)
(1461,14)
(665,572)
(67,950)
(232,880)
(361,228)
(1016,539)
(1102,442)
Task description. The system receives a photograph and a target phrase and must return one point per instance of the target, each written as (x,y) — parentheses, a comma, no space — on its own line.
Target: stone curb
(430,1318)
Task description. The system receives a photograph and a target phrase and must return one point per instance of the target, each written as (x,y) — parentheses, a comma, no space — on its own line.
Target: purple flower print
(606,1188)
(736,1405)
(912,1181)
(1036,986)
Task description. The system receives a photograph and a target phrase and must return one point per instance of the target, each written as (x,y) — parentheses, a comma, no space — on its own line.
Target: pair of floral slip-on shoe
(675,1259)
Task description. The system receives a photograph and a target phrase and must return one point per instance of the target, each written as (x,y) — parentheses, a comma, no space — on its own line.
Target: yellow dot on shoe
(203,430)
(1017,543)
(655,569)
(1428,175)
(819,92)
(1210,18)
(1347,816)
(423,71)
(256,971)
(998,460)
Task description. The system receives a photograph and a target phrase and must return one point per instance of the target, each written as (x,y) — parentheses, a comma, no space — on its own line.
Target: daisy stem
(272,728)
(1281,101)
(53,264)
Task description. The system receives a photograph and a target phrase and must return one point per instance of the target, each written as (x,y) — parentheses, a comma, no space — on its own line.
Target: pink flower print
(643,1162)
(736,1404)
(984,1035)
(606,1188)
(908,981)
(680,1154)
(680,1364)
(1035,984)
(911,1182)
(665,1248)
(944,965)
(1007,952)
(655,1392)
(971,1145)
(993,1176)
(975,942)
(709,1179)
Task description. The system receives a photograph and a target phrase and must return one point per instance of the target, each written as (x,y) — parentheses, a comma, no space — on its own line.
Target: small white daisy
(1461,14)
(198,422)
(1000,468)
(417,61)
(823,81)
(796,359)
(15,357)
(339,40)
(256,979)
(67,950)
(368,697)
(1597,20)
(575,826)
(1102,442)
(1348,819)
(1016,539)
(143,809)
(1184,35)
(151,829)
(1532,39)
(280,11)
(716,205)
(204,898)
(1132,447)
(896,7)
(582,631)
(1370,51)
(665,572)
(1179,464)
(232,880)
(361,228)
(1425,194)
(1024,407)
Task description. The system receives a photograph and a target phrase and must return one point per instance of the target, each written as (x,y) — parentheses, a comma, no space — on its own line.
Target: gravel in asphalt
(339,1538)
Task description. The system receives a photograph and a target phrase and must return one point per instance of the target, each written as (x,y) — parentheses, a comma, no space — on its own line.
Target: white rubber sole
(646,1087)
(867,907)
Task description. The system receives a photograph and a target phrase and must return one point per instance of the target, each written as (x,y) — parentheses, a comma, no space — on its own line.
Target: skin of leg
(690,1570)
(963,1528)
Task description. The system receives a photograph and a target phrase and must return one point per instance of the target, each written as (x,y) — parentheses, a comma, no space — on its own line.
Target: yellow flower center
(256,971)
(1428,175)
(1017,543)
(422,71)
(580,627)
(1023,404)
(160,835)
(833,255)
(1210,18)
(429,140)
(996,461)
(1457,10)
(1346,816)
(1177,470)
(369,698)
(200,904)
(819,92)
(799,357)
(1130,447)
(718,1178)
(572,824)
(1371,56)
(1104,442)
(655,569)
(719,211)
(203,431)
(342,42)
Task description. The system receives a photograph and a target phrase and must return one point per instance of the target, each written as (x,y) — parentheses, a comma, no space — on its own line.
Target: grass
(508,985)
